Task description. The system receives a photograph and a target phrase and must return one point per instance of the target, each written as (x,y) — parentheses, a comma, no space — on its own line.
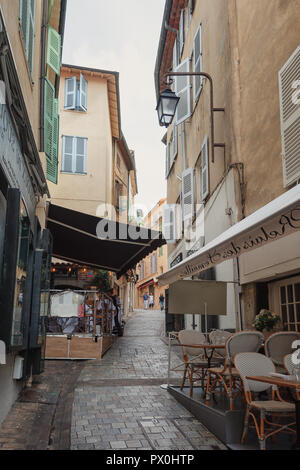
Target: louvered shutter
(83,93)
(181,33)
(167,160)
(67,154)
(50,7)
(48,119)
(70,93)
(27,19)
(183,91)
(289,86)
(53,163)
(188,193)
(197,62)
(168,221)
(174,143)
(80,155)
(204,170)
(54,50)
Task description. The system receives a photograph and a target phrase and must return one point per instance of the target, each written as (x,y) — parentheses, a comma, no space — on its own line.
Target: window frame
(74,155)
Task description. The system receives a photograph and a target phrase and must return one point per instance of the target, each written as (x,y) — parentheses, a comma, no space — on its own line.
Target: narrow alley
(117,402)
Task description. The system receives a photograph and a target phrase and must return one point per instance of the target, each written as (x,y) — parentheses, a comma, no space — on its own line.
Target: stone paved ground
(119,404)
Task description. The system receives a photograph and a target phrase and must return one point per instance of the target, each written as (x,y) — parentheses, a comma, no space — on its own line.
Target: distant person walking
(146,297)
(151,301)
(161,301)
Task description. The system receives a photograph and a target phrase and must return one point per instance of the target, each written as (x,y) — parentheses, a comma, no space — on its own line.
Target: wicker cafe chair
(219,337)
(268,411)
(227,377)
(289,367)
(195,363)
(279,345)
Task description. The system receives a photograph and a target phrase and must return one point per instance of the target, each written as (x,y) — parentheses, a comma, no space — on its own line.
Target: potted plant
(266,321)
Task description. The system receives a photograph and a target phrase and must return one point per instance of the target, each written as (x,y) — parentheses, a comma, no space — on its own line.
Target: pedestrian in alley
(161,301)
(151,301)
(145,296)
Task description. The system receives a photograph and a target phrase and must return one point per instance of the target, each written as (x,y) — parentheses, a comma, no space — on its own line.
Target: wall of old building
(85,192)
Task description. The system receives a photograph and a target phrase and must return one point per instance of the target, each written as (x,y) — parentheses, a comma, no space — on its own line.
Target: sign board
(190,297)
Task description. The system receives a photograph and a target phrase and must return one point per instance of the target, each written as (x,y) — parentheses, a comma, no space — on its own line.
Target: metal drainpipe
(43,75)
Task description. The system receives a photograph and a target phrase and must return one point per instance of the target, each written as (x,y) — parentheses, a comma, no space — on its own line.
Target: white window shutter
(174,143)
(80,155)
(181,33)
(83,93)
(167,160)
(289,86)
(188,198)
(67,154)
(183,91)
(175,54)
(169,223)
(204,170)
(70,93)
(197,62)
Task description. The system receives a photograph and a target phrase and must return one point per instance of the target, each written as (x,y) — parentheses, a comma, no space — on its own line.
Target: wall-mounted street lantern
(168,101)
(166,107)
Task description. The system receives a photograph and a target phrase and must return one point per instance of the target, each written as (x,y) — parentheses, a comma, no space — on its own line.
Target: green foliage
(101,280)
(266,320)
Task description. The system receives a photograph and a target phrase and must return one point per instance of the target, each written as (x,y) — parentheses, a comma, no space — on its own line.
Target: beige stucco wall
(267,35)
(86,192)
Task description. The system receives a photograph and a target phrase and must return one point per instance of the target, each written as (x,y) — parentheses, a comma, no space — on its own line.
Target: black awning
(75,239)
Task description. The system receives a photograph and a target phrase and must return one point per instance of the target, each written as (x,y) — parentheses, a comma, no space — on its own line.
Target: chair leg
(184,377)
(246,425)
(191,382)
(262,439)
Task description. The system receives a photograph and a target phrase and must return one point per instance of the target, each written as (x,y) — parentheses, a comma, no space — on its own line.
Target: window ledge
(71,173)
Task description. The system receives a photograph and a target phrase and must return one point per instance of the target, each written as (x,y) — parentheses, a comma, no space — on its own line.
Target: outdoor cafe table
(281,382)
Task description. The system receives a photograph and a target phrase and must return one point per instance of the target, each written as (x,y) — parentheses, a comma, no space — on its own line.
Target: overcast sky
(122,36)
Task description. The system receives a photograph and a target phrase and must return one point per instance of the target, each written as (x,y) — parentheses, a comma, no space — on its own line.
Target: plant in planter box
(266,320)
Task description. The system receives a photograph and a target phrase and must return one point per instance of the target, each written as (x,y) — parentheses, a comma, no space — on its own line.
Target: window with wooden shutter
(70,93)
(204,170)
(188,197)
(48,118)
(54,50)
(181,33)
(74,155)
(83,93)
(27,20)
(169,223)
(197,62)
(167,160)
(174,145)
(183,91)
(289,86)
(53,163)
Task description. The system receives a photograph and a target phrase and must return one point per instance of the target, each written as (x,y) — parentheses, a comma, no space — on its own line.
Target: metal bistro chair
(227,376)
(255,364)
(279,345)
(195,363)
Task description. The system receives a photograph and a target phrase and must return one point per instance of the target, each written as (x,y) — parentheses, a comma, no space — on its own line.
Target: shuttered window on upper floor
(51,131)
(197,62)
(289,86)
(27,20)
(204,184)
(174,144)
(54,50)
(181,32)
(76,93)
(167,169)
(188,193)
(183,91)
(74,155)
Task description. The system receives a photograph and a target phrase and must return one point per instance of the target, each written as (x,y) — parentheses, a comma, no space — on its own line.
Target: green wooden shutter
(54,50)
(53,163)
(48,118)
(27,19)
(50,7)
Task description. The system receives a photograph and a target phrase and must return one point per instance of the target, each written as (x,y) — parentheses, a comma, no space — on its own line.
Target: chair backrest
(244,341)
(279,345)
(219,337)
(254,364)
(288,364)
(191,337)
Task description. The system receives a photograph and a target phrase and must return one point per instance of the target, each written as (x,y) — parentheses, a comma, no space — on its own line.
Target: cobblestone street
(113,404)
(119,403)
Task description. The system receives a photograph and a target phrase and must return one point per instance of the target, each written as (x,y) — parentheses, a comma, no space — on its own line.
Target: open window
(76,93)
